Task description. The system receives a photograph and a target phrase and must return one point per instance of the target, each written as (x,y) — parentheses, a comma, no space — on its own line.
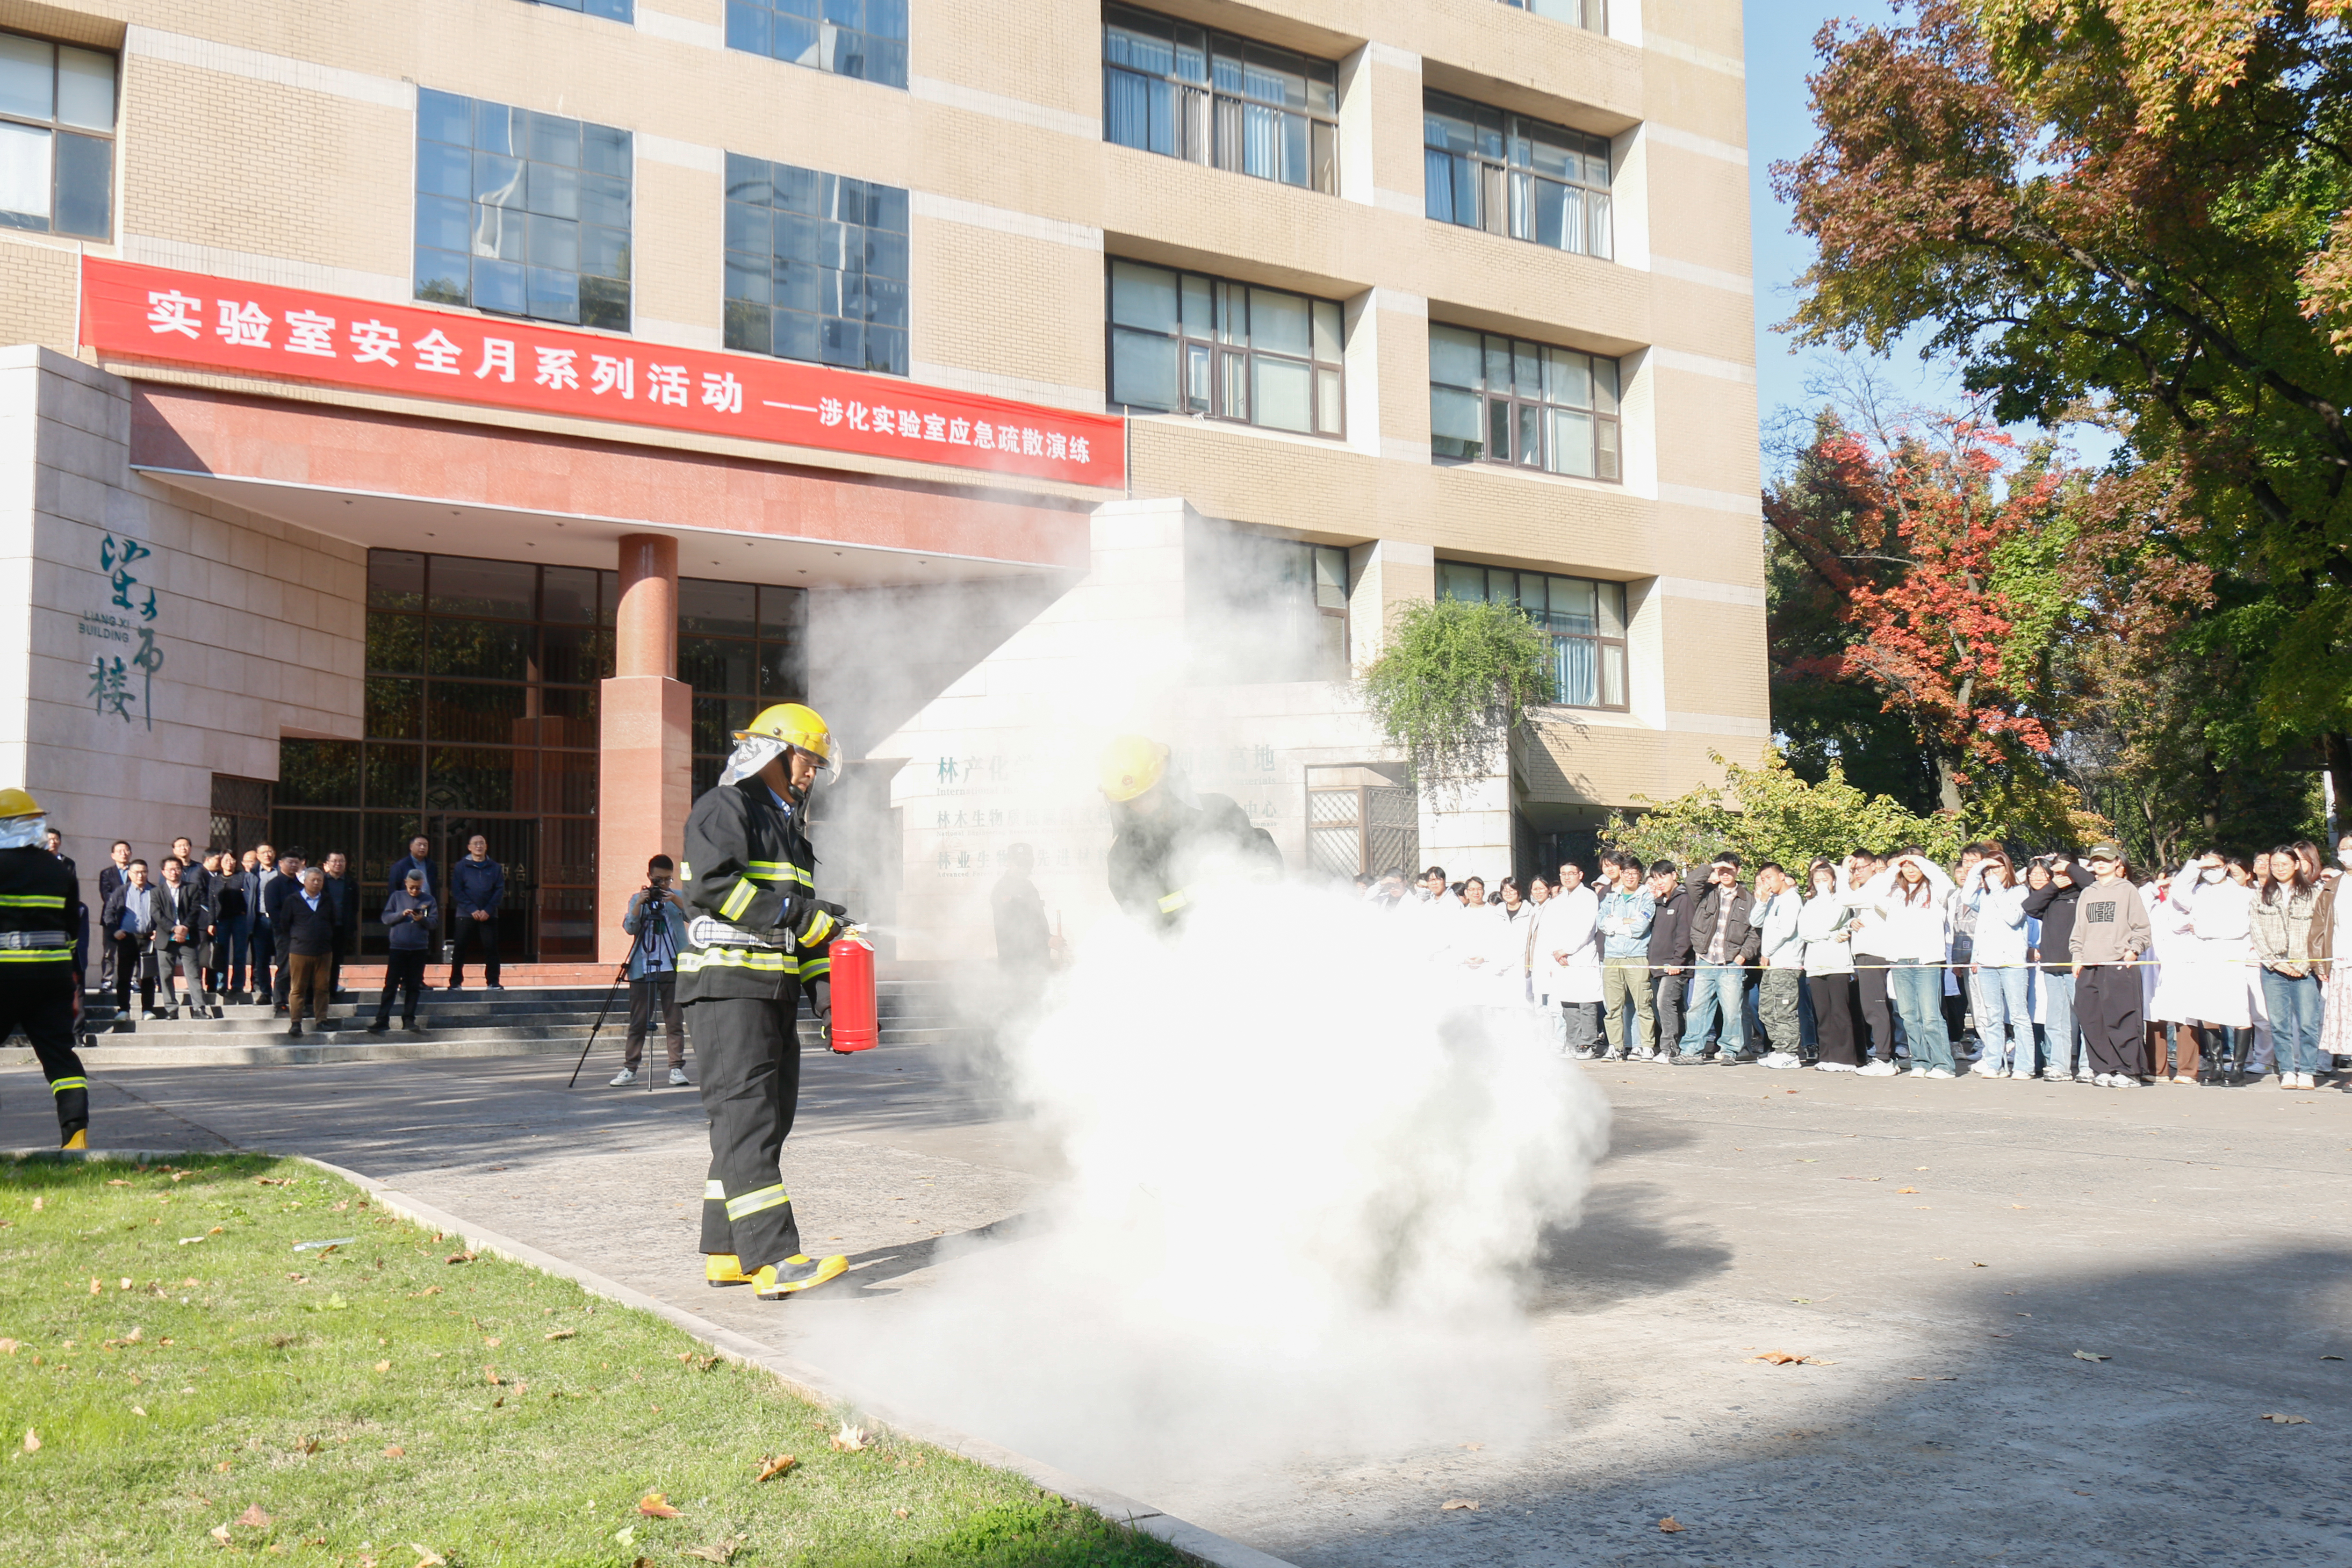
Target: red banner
(130,311)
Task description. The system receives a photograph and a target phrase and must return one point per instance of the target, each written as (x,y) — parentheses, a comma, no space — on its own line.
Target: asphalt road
(1940,1252)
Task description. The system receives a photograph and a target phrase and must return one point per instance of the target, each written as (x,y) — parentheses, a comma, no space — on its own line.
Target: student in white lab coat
(1568,960)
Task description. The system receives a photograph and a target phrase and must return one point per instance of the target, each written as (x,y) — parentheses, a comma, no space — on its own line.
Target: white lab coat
(2216,977)
(1507,950)
(2165,983)
(1570,924)
(1918,927)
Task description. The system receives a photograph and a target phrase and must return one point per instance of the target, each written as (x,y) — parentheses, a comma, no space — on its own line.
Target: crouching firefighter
(40,985)
(757,929)
(1167,839)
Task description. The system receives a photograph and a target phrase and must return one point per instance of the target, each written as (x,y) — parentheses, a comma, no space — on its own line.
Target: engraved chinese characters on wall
(122,671)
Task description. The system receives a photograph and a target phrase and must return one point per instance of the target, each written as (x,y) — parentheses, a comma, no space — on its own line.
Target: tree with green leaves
(1453,680)
(2144,203)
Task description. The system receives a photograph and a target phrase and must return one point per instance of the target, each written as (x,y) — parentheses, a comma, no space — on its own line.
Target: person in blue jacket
(477,884)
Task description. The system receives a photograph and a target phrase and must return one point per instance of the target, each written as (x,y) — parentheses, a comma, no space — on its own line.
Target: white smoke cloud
(1303,1184)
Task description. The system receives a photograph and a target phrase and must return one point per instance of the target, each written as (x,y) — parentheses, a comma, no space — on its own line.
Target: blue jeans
(2061,1046)
(1712,985)
(2294,1020)
(1919,994)
(2004,1019)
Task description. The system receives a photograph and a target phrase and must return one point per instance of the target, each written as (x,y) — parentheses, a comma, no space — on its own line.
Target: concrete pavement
(2199,1238)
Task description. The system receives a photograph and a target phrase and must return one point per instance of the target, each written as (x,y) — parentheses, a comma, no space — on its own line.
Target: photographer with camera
(656,918)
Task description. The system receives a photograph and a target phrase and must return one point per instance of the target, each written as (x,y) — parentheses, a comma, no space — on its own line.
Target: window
(1182,343)
(864,39)
(816,267)
(57,137)
(1593,15)
(1214,99)
(741,648)
(1585,620)
(612,10)
(1263,609)
(1503,400)
(1509,174)
(523,213)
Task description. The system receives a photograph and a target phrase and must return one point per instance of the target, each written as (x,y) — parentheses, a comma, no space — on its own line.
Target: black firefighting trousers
(39,1000)
(747,1057)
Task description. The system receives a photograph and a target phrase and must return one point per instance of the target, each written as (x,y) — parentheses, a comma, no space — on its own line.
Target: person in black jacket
(182,915)
(1670,952)
(757,933)
(1167,841)
(128,922)
(232,925)
(284,884)
(307,926)
(40,983)
(111,877)
(343,900)
(1723,941)
(409,918)
(2053,905)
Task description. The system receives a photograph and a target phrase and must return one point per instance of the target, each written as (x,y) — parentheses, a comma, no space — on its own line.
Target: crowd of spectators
(2062,967)
(269,925)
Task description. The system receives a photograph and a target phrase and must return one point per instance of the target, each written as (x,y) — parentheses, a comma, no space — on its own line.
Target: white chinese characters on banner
(243,323)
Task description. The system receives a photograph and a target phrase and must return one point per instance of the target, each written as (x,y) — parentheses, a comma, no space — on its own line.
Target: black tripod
(636,944)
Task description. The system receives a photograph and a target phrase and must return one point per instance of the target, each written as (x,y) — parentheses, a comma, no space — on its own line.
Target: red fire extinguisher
(856,1023)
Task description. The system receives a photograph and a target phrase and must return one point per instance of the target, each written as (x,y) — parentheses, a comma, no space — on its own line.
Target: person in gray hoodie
(2111,931)
(411,916)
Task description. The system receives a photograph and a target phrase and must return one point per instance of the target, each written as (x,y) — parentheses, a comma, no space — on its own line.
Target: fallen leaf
(717,1552)
(1453,1503)
(627,1535)
(32,1441)
(771,1468)
(214,1231)
(427,1557)
(2017,1205)
(490,1375)
(654,1505)
(309,1446)
(2090,1355)
(2288,1420)
(254,1519)
(38,1204)
(1802,1300)
(392,1451)
(1899,1190)
(1474,1447)
(219,1533)
(1781,1358)
(1672,1525)
(383,1366)
(428,1290)
(559,1334)
(459,1258)
(135,1410)
(118,1182)
(851,1439)
(95,1287)
(492,1343)
(1980,1265)
(900,1512)
(10,1347)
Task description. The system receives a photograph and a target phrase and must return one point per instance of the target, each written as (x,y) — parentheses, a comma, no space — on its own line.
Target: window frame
(878,205)
(628,10)
(57,128)
(1592,16)
(1193,110)
(431,207)
(1204,359)
(1501,175)
(751,28)
(1602,642)
(1606,414)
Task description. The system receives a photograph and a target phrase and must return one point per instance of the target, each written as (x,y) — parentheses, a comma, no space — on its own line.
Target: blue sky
(1780,125)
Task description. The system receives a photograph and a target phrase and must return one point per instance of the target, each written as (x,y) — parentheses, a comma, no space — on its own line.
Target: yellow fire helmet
(17,802)
(796,726)
(1130,765)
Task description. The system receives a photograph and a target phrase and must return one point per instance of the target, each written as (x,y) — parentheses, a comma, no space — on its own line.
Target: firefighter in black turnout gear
(1169,839)
(38,982)
(758,935)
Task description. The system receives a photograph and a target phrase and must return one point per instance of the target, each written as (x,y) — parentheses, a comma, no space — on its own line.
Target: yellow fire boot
(723,1268)
(775,1281)
(80,1139)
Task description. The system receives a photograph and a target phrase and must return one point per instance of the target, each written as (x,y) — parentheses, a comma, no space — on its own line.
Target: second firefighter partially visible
(1168,842)
(758,937)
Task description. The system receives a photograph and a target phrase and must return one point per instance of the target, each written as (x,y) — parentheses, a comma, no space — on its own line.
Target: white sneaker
(2125,1080)
(1832,1067)
(2084,1075)
(1877,1069)
(1940,1073)
(622,1078)
(677,1078)
(1989,1072)
(1779,1059)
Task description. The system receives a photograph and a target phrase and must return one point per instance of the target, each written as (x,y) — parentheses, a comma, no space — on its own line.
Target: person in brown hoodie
(2111,931)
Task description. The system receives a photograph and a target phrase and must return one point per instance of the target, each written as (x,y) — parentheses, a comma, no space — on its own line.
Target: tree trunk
(1947,786)
(2335,748)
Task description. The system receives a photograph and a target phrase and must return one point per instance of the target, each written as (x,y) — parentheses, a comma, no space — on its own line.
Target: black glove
(820,996)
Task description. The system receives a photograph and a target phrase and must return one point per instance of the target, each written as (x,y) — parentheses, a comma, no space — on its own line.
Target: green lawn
(378,1404)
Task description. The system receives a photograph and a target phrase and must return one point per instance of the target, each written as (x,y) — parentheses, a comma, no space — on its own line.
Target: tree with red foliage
(1938,637)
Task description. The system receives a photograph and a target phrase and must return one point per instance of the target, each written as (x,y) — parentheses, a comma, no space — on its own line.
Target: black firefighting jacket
(758,929)
(38,902)
(1155,861)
